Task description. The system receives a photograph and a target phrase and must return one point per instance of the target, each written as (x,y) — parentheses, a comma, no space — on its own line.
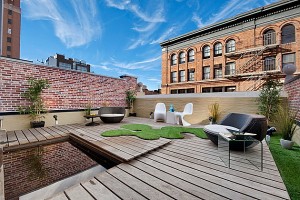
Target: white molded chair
(160,112)
(188,110)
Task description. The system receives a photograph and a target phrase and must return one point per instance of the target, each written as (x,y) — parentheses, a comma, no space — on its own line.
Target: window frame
(286,63)
(181,75)
(230,46)
(269,37)
(205,75)
(181,57)
(228,68)
(218,49)
(191,58)
(206,50)
(191,72)
(267,60)
(174,77)
(217,70)
(173,59)
(283,35)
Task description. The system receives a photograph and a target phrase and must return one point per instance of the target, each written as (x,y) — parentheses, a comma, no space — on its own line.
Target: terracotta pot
(37,124)
(286,144)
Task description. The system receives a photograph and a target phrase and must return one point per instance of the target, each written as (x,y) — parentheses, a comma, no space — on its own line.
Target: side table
(92,123)
(171,119)
(252,156)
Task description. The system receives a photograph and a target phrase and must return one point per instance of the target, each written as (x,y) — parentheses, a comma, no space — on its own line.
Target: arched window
(230,46)
(181,57)
(206,51)
(269,37)
(218,49)
(191,55)
(288,34)
(173,59)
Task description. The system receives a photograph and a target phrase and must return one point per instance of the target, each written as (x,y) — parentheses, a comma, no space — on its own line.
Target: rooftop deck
(178,169)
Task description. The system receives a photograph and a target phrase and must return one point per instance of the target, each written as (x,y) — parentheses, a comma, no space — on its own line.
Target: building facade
(238,54)
(61,61)
(10,17)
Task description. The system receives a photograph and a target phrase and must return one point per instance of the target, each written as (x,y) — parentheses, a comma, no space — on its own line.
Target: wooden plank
(31,138)
(121,154)
(98,190)
(137,185)
(46,130)
(251,188)
(118,187)
(3,138)
(157,183)
(12,138)
(21,137)
(37,134)
(133,153)
(58,131)
(42,132)
(78,192)
(60,196)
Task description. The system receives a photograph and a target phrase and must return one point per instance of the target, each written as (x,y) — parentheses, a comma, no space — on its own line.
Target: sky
(118,37)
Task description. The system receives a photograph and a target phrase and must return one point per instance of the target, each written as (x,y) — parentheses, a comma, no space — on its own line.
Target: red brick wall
(293,90)
(69,89)
(59,161)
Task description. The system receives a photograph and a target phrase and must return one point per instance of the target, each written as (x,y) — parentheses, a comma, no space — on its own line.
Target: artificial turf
(288,162)
(148,133)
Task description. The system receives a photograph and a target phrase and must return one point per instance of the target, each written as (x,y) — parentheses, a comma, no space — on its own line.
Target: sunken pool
(34,168)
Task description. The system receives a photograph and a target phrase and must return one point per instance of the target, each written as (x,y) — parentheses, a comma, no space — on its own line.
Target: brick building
(237,54)
(60,61)
(10,17)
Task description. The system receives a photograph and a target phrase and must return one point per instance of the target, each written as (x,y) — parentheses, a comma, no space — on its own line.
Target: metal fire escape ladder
(257,83)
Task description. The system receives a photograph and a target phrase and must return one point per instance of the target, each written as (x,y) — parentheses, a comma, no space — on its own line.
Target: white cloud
(154,80)
(169,32)
(197,20)
(119,4)
(75,28)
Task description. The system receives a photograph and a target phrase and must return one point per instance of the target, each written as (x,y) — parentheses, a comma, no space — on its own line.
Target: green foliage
(130,97)
(34,164)
(288,162)
(33,95)
(214,112)
(285,120)
(88,109)
(269,99)
(146,132)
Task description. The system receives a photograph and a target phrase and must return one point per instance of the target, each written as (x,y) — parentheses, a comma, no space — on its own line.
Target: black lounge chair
(111,114)
(238,122)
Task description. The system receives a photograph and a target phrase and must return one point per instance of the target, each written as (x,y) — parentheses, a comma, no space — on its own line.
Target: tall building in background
(10,18)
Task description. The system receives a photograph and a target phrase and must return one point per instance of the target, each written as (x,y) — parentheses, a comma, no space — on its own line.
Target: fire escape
(258,64)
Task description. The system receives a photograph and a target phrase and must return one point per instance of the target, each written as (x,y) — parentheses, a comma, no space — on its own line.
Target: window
(206,51)
(288,59)
(8,56)
(190,90)
(173,77)
(218,71)
(8,39)
(288,34)
(206,90)
(191,55)
(8,48)
(181,57)
(230,89)
(9,21)
(83,69)
(206,72)
(218,49)
(230,46)
(217,89)
(182,91)
(174,91)
(269,63)
(10,12)
(269,37)
(182,75)
(9,31)
(230,68)
(173,59)
(64,65)
(191,74)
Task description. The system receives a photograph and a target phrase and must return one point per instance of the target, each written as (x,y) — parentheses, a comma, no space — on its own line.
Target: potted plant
(34,96)
(88,109)
(214,113)
(130,98)
(286,123)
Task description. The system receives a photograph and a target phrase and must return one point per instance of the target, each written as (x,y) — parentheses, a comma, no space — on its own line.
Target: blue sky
(117,36)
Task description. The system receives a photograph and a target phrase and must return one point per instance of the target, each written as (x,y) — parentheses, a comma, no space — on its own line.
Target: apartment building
(61,61)
(237,54)
(10,17)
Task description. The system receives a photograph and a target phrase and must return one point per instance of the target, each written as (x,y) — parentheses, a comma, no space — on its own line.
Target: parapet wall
(69,89)
(292,87)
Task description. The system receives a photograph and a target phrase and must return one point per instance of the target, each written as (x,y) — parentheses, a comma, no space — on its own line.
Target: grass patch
(288,162)
(146,132)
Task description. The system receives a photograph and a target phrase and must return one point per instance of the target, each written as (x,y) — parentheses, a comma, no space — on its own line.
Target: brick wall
(58,160)
(69,89)
(292,88)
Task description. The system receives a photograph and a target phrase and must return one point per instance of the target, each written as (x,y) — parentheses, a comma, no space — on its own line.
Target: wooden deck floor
(183,169)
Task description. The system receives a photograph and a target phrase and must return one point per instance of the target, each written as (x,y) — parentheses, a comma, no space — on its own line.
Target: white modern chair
(160,112)
(188,110)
